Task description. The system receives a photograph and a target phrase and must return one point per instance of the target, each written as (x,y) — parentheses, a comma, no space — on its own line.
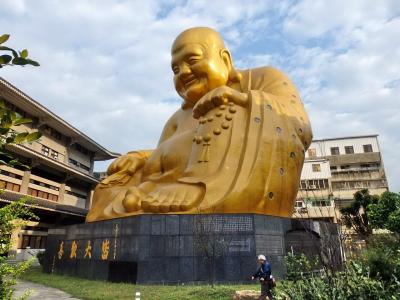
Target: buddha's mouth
(189,81)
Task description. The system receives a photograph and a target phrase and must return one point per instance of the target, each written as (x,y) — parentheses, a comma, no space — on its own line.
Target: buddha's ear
(227,58)
(234,76)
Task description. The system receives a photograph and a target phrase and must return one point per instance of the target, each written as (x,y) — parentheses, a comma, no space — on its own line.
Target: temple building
(336,168)
(60,180)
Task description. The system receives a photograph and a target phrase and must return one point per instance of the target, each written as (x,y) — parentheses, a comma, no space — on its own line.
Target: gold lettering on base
(105,249)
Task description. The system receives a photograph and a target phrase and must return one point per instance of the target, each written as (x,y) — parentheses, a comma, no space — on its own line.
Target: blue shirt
(264,271)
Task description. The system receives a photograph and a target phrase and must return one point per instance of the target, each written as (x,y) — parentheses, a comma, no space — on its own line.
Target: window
(299,204)
(323,202)
(9,174)
(74,162)
(33,242)
(367,148)
(54,154)
(312,152)
(82,149)
(345,167)
(349,149)
(333,168)
(45,150)
(78,164)
(335,151)
(316,167)
(303,184)
(49,186)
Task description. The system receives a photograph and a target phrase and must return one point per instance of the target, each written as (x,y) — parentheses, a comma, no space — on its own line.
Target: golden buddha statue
(236,144)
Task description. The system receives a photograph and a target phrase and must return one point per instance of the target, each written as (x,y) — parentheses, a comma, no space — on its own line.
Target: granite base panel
(182,248)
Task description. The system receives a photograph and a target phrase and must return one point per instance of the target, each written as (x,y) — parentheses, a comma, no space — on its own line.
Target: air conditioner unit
(312,187)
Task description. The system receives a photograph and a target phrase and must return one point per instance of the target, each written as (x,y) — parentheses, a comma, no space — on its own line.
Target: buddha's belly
(169,160)
(199,150)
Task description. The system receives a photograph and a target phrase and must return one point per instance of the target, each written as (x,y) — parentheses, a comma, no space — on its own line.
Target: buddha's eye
(193,60)
(175,69)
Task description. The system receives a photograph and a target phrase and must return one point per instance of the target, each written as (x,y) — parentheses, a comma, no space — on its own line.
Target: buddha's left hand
(218,96)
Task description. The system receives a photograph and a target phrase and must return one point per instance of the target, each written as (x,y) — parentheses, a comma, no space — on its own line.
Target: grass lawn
(100,290)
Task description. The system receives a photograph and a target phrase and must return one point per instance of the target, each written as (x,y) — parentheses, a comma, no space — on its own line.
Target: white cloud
(352,90)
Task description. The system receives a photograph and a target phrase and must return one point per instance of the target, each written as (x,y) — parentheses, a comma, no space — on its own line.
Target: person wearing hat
(264,275)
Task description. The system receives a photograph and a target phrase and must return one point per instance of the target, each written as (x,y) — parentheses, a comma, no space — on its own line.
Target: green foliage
(354,282)
(355,216)
(19,58)
(385,213)
(299,266)
(383,257)
(11,218)
(10,121)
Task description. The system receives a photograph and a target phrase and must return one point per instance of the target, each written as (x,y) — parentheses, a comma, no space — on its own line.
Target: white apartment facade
(314,199)
(356,163)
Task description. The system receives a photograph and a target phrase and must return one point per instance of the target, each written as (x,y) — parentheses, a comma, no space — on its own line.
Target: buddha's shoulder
(266,72)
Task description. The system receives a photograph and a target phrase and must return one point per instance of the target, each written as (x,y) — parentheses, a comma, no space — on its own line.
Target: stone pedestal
(183,248)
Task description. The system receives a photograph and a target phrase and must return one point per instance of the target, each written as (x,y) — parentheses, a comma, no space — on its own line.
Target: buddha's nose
(184,70)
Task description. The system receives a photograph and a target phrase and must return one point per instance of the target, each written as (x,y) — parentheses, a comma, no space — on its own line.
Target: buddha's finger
(124,164)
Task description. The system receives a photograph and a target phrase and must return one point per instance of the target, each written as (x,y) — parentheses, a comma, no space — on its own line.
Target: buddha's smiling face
(198,69)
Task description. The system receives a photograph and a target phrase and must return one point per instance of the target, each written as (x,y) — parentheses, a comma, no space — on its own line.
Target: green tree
(385,213)
(12,215)
(13,57)
(355,216)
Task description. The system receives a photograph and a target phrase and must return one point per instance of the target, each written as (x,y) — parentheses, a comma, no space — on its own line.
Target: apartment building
(60,179)
(336,168)
(315,199)
(355,162)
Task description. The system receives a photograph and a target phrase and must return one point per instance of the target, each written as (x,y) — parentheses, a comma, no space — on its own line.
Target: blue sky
(105,64)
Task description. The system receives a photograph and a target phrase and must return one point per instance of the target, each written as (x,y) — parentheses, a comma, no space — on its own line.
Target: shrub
(354,282)
(383,257)
(298,266)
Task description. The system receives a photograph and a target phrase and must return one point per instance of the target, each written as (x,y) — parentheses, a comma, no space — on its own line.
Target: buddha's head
(200,63)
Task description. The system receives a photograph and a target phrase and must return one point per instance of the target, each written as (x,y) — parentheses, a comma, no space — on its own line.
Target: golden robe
(250,161)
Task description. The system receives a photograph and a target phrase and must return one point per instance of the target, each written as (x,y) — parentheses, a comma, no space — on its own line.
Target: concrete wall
(323,147)
(309,173)
(170,248)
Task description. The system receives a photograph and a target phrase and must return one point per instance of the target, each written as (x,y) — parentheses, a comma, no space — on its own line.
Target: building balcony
(36,156)
(43,204)
(356,158)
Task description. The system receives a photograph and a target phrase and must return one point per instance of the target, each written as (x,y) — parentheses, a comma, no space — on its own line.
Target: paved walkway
(40,292)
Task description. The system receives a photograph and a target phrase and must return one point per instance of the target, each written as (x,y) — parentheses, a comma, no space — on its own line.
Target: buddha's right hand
(123,169)
(129,163)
